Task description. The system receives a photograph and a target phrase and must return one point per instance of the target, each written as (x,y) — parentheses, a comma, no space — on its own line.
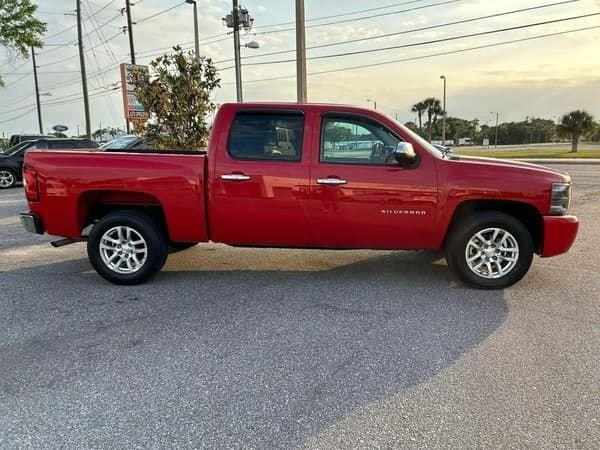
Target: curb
(589,161)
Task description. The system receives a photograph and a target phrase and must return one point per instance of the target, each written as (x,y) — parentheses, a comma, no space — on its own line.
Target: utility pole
(196,37)
(301,53)
(37,91)
(239,17)
(236,51)
(496,141)
(86,101)
(443,77)
(130,30)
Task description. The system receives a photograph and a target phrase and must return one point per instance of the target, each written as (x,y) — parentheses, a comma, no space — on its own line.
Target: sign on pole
(134,110)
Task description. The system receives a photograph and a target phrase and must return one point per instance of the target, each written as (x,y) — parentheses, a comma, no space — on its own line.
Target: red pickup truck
(302,176)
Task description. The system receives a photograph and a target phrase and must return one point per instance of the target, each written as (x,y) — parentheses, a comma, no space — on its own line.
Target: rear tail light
(30,183)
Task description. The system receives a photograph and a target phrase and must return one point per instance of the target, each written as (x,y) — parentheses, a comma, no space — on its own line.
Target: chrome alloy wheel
(7,179)
(123,250)
(492,253)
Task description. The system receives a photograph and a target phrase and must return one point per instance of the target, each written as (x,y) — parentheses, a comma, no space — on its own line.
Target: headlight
(561,199)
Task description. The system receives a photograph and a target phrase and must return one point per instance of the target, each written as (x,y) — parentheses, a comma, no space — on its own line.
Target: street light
(374,103)
(252,44)
(443,77)
(196,38)
(496,141)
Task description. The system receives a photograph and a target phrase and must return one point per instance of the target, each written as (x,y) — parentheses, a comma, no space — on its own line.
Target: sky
(543,77)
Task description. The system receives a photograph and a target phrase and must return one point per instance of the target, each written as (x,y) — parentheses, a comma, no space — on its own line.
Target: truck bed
(171,185)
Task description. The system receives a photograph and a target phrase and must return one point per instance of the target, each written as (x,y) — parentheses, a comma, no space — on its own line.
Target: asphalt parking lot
(242,348)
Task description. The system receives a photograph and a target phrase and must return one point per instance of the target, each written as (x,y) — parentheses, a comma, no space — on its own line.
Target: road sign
(133,109)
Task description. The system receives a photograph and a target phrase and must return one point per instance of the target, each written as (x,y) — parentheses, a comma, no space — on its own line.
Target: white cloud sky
(543,77)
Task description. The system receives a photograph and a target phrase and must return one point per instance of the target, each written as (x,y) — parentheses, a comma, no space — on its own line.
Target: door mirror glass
(404,154)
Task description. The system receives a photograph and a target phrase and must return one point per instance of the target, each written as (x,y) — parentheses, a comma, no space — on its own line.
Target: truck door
(360,200)
(260,183)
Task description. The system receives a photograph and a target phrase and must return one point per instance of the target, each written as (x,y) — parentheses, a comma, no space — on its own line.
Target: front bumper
(559,234)
(32,223)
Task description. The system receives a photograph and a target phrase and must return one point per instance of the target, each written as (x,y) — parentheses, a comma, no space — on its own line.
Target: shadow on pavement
(226,358)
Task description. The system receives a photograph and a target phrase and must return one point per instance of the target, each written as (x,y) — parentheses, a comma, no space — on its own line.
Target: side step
(63,242)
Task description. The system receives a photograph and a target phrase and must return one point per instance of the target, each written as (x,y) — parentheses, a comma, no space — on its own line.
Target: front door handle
(235,177)
(331,181)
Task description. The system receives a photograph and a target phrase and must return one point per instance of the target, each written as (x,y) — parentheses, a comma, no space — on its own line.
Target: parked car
(274,177)
(11,159)
(18,138)
(442,148)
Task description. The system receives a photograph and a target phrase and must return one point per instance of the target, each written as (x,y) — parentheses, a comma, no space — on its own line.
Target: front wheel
(8,178)
(127,247)
(490,250)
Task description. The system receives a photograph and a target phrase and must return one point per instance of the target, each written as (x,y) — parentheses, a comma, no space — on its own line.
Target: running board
(63,242)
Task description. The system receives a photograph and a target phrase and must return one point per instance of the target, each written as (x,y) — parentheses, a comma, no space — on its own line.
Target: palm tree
(434,108)
(419,108)
(574,125)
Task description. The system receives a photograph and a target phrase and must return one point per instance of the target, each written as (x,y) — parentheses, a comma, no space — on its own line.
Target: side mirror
(405,154)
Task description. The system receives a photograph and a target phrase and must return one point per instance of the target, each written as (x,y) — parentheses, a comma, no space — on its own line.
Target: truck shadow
(254,356)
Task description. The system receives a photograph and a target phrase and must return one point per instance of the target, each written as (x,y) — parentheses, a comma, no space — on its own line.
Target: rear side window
(266,136)
(56,145)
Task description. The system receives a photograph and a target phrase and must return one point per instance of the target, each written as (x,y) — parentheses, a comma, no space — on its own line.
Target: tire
(127,247)
(8,178)
(490,250)
(180,246)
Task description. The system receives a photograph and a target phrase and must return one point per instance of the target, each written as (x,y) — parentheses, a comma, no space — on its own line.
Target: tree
(178,99)
(419,108)
(433,108)
(573,125)
(19,29)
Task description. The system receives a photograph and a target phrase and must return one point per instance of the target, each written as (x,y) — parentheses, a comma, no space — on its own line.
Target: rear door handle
(235,177)
(331,181)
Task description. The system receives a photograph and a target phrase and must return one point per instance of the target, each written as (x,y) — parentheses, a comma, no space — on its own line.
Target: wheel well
(527,214)
(94,205)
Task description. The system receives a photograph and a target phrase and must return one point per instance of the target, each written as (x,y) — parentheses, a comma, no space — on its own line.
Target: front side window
(266,136)
(356,141)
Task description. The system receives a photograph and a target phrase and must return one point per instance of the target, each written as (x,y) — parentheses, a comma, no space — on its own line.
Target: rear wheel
(127,247)
(490,250)
(8,178)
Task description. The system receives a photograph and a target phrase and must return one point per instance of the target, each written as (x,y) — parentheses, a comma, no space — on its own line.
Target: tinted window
(57,145)
(356,141)
(40,145)
(270,136)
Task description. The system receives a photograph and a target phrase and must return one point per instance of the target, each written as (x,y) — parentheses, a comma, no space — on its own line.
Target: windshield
(14,149)
(120,143)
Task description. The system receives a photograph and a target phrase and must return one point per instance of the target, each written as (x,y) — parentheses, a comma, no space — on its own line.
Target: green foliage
(594,134)
(419,108)
(433,108)
(178,99)
(574,125)
(19,29)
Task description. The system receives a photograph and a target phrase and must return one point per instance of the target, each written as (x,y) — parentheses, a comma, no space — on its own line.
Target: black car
(11,159)
(18,138)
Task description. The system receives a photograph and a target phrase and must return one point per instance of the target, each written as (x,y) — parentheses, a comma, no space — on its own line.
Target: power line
(416,58)
(433,41)
(414,30)
(356,19)
(152,16)
(342,14)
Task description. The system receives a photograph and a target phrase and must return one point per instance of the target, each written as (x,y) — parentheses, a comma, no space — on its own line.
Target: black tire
(180,246)
(8,178)
(484,221)
(155,245)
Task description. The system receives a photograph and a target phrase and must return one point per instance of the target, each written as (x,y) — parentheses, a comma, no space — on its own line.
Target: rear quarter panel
(71,183)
